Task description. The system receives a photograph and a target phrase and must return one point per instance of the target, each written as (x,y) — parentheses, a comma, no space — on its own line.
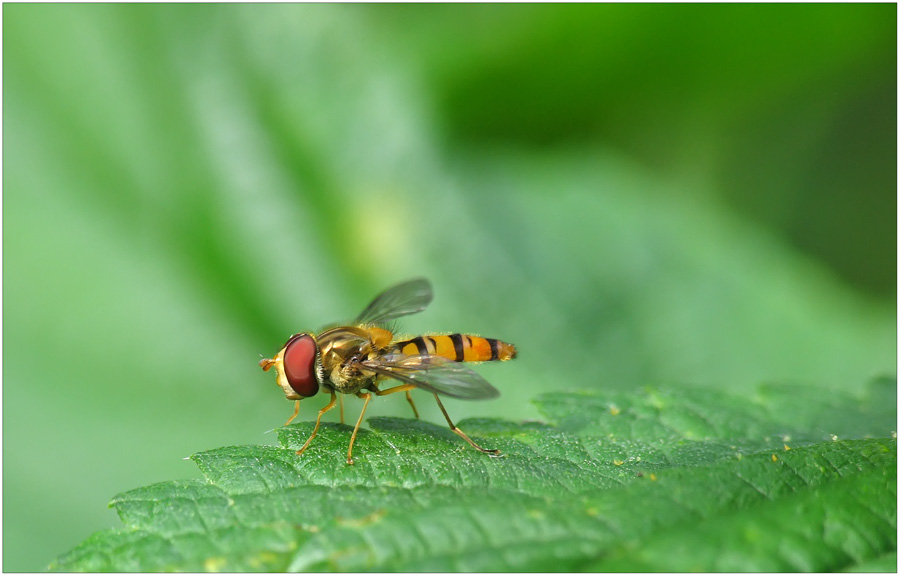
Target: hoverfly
(356,358)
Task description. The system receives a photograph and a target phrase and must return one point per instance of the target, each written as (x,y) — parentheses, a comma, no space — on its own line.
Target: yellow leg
(460,432)
(342,409)
(365,397)
(411,403)
(296,411)
(400,388)
(319,419)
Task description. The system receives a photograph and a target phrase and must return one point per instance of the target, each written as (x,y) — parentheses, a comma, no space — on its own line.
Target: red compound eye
(300,365)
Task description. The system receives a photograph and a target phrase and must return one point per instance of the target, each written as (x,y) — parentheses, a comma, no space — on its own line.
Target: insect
(357,358)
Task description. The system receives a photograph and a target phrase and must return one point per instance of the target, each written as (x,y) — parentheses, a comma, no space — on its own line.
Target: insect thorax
(341,349)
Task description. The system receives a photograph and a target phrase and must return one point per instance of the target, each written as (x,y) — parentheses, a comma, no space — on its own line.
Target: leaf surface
(656,480)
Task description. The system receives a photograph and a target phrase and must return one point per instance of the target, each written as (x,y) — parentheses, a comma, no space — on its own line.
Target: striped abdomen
(458,347)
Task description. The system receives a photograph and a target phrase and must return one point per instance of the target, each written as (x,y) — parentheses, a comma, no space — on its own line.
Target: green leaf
(654,480)
(192,183)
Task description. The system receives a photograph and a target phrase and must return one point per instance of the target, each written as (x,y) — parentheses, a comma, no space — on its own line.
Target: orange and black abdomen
(458,347)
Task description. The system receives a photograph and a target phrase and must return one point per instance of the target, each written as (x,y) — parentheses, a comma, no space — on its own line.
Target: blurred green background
(635,195)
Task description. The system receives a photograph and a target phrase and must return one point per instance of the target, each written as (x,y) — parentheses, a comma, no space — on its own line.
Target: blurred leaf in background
(632,194)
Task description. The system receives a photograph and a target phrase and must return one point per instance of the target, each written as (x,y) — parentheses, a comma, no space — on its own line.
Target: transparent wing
(401,300)
(433,373)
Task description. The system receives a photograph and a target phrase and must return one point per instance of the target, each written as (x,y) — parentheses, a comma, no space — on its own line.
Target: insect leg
(365,397)
(460,432)
(296,411)
(398,388)
(319,419)
(342,409)
(401,388)
(411,403)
